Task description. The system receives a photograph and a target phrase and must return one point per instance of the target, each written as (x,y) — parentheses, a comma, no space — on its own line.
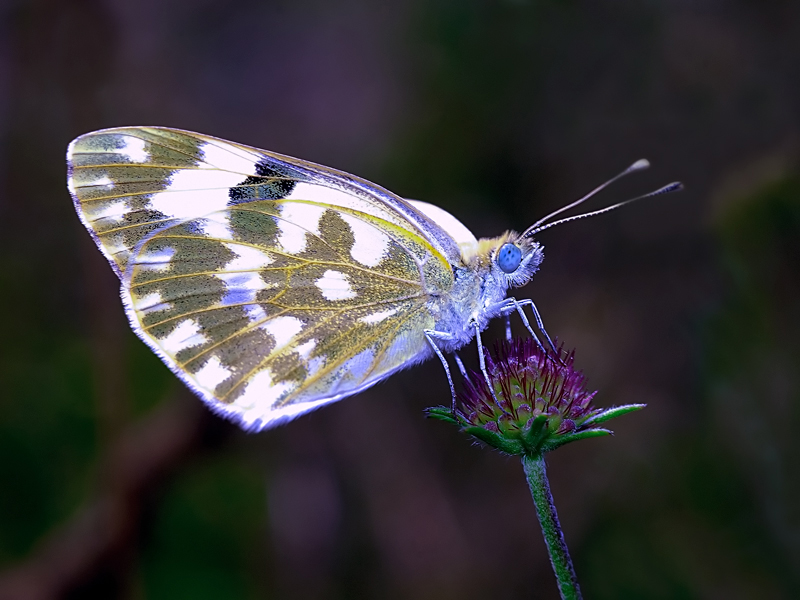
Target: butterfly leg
(482,360)
(460,365)
(430,335)
(508,306)
(508,327)
(539,322)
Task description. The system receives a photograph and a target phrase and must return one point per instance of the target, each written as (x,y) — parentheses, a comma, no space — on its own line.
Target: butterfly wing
(268,284)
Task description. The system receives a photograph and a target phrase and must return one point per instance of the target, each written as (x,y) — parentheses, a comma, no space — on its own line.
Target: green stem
(536,472)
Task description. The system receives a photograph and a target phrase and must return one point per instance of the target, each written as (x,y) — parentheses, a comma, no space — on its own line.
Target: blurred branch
(100,538)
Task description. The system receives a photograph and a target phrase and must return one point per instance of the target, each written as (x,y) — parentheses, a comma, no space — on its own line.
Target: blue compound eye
(508,258)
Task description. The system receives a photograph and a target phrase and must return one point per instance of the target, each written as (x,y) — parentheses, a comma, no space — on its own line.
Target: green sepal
(496,440)
(610,413)
(535,433)
(560,440)
(441,413)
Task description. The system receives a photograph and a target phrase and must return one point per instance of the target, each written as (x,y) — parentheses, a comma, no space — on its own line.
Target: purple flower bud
(539,401)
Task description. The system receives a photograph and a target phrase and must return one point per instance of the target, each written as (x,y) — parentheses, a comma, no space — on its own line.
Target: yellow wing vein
(370,219)
(253,326)
(247,329)
(129,133)
(310,380)
(160,191)
(384,348)
(293,268)
(367,341)
(282,306)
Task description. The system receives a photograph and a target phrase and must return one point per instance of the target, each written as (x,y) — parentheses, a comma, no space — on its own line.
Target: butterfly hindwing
(268,284)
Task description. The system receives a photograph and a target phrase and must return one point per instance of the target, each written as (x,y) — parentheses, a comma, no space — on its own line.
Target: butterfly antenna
(672,187)
(639,165)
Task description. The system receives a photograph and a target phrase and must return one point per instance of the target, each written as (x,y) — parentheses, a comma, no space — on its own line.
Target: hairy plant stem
(536,473)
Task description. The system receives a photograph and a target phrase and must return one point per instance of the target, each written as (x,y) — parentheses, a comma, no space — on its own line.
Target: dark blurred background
(116,483)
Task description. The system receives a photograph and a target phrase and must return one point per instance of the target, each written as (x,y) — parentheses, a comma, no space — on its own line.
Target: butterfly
(271,285)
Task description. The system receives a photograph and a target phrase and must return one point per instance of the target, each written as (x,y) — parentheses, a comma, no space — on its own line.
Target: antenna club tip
(675,186)
(640,165)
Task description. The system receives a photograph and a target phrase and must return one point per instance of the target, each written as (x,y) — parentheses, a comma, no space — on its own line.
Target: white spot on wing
(114,245)
(224,156)
(283,329)
(185,335)
(193,193)
(212,374)
(115,211)
(216,226)
(377,317)
(189,204)
(100,182)
(247,280)
(241,288)
(149,300)
(133,149)
(202,179)
(261,393)
(370,244)
(297,218)
(151,303)
(156,260)
(306,216)
(335,286)
(305,349)
(291,238)
(255,313)
(331,196)
(247,258)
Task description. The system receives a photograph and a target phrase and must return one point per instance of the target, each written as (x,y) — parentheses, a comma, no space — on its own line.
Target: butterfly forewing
(268,284)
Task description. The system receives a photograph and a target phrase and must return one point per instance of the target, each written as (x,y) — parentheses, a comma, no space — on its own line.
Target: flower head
(536,402)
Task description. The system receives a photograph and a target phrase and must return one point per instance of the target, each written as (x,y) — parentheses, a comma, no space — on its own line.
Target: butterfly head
(511,259)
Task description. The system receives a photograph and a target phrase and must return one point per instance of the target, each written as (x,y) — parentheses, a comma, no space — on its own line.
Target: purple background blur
(116,483)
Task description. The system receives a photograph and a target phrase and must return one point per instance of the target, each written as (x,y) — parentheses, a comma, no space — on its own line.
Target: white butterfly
(271,285)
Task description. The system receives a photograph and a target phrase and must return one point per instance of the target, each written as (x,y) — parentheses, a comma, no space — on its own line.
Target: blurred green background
(116,483)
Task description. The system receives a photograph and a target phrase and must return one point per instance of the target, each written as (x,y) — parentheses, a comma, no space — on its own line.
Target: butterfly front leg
(539,323)
(432,334)
(509,305)
(506,307)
